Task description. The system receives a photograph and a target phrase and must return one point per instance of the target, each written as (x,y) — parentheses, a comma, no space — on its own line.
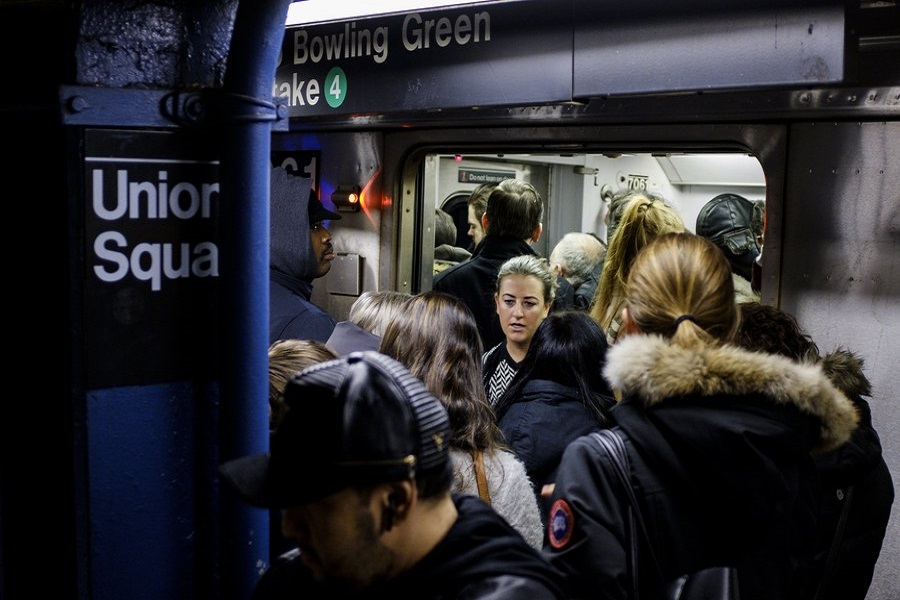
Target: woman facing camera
(526,288)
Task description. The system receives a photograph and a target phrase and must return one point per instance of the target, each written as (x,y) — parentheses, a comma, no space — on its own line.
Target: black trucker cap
(317,211)
(357,420)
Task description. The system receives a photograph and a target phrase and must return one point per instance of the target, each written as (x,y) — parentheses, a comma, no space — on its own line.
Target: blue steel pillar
(248,113)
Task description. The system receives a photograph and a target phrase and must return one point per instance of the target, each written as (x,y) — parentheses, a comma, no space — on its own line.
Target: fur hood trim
(845,370)
(653,369)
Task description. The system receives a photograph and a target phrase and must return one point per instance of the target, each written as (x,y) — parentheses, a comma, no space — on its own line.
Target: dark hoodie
(481,558)
(292,265)
(719,441)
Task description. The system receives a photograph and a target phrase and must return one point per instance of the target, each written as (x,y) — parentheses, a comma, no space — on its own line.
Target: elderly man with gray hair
(579,258)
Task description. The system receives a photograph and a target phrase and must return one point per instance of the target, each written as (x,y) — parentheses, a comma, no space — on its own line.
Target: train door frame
(406,151)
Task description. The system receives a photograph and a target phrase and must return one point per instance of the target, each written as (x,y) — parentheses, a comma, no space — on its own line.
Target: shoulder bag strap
(480,477)
(611,441)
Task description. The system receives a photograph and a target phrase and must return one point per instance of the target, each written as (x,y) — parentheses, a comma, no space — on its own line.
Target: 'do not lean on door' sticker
(335,87)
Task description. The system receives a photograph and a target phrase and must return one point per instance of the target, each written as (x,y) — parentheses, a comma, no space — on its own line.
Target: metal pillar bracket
(91,106)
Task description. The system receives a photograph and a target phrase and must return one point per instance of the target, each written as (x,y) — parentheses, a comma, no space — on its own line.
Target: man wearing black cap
(361,469)
(296,258)
(734,224)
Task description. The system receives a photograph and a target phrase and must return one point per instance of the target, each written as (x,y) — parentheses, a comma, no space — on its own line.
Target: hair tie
(684,318)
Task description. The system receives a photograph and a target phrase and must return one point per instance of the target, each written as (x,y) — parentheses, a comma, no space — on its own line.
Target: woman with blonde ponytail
(643,217)
(716,443)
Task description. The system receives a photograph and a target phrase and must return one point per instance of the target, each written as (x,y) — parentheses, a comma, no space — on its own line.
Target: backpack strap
(712,582)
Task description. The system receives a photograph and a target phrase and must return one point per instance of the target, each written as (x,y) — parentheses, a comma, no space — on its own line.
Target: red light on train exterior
(346,198)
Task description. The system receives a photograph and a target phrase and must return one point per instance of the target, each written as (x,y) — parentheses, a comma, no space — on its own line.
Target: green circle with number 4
(335,87)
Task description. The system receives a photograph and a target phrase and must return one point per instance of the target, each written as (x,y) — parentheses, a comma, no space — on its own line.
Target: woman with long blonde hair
(644,216)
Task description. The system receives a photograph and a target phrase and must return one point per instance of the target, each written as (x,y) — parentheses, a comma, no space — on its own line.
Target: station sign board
(534,52)
(438,58)
(151,257)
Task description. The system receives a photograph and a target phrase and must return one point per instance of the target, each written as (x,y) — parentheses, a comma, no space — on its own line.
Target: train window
(457,206)
(576,188)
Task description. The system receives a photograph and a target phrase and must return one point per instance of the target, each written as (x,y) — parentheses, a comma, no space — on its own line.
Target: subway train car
(141,137)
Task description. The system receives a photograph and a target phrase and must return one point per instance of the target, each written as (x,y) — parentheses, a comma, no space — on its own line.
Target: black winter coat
(854,478)
(481,558)
(541,422)
(719,441)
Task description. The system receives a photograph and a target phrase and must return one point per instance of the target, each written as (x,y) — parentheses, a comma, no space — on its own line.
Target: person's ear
(396,502)
(628,324)
(484,223)
(536,235)
(390,512)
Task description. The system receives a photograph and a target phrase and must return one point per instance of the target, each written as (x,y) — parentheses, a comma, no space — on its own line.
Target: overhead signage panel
(442,58)
(693,50)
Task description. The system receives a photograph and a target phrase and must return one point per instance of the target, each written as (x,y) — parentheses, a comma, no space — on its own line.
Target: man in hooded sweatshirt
(300,250)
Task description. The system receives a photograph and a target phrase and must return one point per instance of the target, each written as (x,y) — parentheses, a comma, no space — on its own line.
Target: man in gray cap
(300,250)
(361,469)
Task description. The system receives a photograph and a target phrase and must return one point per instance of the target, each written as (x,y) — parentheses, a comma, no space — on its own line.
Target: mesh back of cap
(431,417)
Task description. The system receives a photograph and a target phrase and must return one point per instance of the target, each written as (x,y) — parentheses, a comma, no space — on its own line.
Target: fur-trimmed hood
(845,370)
(655,370)
(855,460)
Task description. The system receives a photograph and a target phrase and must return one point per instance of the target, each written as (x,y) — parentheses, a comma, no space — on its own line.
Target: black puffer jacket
(854,478)
(719,441)
(541,422)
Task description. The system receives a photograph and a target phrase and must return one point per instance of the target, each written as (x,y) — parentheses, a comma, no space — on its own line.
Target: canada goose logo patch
(561,524)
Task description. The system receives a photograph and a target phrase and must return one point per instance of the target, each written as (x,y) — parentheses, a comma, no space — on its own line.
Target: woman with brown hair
(436,338)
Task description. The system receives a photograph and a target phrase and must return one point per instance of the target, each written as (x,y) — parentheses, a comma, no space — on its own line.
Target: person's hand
(547,490)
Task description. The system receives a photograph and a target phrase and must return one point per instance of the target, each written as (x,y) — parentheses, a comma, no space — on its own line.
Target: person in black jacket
(512,223)
(557,395)
(856,488)
(360,466)
(718,441)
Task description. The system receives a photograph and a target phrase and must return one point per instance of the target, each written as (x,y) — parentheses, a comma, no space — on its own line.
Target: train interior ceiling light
(318,11)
